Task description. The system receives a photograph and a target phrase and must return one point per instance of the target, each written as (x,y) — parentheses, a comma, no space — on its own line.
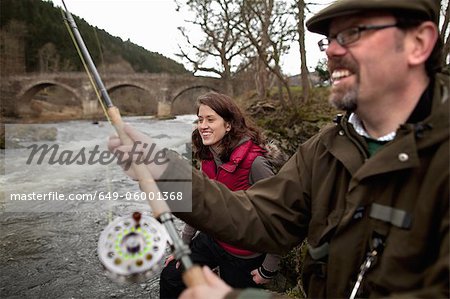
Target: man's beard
(345,99)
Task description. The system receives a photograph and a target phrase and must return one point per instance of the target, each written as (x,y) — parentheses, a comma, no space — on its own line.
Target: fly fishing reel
(132,248)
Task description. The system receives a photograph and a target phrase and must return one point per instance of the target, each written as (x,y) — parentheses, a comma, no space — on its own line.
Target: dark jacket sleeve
(272,216)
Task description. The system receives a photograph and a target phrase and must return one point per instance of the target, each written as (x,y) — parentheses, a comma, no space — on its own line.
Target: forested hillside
(39,27)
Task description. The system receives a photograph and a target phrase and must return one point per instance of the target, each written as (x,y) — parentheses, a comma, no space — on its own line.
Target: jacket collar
(238,154)
(359,128)
(410,138)
(420,112)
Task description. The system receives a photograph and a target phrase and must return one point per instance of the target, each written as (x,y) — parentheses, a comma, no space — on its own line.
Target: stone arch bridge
(165,88)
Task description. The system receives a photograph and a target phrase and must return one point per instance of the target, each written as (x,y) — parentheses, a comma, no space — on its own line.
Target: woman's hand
(169,259)
(257,278)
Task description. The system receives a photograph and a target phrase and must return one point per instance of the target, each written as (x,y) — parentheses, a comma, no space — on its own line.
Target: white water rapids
(49,249)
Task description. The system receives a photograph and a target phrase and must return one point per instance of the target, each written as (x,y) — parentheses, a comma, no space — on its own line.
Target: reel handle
(193,276)
(145,178)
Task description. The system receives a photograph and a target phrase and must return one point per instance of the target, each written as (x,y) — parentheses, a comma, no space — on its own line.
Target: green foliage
(45,24)
(322,71)
(293,126)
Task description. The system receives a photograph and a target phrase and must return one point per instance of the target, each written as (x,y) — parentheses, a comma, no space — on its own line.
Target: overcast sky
(153,24)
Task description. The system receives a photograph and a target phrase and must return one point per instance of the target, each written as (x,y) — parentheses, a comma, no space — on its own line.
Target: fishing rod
(130,248)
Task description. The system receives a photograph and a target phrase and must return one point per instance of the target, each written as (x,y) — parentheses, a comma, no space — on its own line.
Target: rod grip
(143,175)
(193,276)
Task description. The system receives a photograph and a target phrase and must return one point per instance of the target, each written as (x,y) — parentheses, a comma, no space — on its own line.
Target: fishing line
(94,86)
(108,184)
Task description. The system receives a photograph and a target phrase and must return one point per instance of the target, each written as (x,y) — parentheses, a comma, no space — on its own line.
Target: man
(370,193)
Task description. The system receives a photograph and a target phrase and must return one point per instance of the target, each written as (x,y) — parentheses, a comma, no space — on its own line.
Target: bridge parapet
(165,88)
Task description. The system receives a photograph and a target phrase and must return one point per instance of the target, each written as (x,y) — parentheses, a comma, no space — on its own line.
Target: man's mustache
(342,63)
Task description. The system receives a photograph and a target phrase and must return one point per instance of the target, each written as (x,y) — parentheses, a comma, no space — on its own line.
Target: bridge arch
(118,85)
(27,92)
(27,103)
(183,102)
(142,99)
(178,95)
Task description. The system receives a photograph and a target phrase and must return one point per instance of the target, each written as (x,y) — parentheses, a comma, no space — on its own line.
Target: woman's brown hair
(230,112)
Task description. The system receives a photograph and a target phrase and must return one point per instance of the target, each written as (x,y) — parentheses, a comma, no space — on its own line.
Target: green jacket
(331,193)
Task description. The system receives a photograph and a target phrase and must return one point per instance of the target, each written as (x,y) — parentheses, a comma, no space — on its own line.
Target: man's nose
(335,49)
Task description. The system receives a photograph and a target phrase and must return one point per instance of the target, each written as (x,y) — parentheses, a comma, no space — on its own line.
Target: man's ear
(423,39)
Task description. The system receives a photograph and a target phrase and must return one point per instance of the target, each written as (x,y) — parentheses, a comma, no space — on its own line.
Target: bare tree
(304,74)
(260,50)
(222,43)
(267,25)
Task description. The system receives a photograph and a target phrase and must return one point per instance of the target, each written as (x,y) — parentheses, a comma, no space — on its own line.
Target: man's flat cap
(320,22)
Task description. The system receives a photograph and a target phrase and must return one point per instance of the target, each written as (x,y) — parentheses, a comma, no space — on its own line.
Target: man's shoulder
(329,131)
(321,141)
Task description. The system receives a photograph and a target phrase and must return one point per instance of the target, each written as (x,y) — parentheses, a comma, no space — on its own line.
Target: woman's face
(211,126)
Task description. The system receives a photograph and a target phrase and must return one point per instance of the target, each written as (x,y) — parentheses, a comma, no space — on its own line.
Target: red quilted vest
(235,175)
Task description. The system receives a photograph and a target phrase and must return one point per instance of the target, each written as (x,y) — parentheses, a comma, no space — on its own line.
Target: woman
(230,152)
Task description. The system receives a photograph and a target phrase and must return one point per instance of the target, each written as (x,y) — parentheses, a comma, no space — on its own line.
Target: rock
(21,133)
(41,106)
(261,107)
(160,136)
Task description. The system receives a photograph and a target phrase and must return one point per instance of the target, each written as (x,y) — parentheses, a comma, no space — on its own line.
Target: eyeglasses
(350,35)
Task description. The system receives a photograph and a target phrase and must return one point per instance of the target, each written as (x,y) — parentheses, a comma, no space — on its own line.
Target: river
(49,249)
